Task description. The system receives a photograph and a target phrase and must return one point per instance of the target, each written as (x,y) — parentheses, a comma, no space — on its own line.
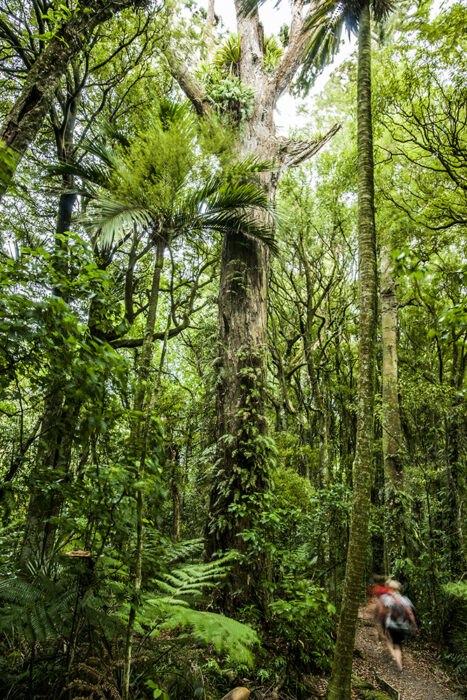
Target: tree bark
(340,684)
(24,120)
(52,464)
(391,421)
(242,458)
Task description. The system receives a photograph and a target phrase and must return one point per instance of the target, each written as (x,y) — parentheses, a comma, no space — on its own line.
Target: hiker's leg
(380,628)
(398,656)
(389,644)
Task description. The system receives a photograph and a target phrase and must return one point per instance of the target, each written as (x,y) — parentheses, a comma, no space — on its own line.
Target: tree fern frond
(186,549)
(226,635)
(191,580)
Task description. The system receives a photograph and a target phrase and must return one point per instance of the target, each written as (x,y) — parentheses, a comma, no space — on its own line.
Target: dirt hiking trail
(420,678)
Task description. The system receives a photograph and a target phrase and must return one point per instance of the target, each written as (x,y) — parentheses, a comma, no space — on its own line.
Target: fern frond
(226,635)
(191,580)
(181,551)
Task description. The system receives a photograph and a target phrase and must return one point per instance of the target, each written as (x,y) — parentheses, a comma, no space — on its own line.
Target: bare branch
(299,38)
(192,88)
(294,152)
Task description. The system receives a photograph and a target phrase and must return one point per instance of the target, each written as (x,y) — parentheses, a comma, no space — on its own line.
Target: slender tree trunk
(339,687)
(175,492)
(138,446)
(27,115)
(453,428)
(391,421)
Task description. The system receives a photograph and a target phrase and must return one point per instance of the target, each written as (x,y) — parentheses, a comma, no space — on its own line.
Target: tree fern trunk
(339,687)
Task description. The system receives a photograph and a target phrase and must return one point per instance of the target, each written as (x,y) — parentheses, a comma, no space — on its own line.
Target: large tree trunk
(242,464)
(241,475)
(339,687)
(392,428)
(24,120)
(242,457)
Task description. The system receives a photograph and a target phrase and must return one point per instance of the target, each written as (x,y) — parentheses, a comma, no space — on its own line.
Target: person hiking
(376,608)
(398,619)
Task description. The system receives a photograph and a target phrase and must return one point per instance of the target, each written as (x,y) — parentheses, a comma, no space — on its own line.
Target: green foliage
(42,610)
(272,53)
(56,17)
(159,182)
(229,96)
(305,621)
(225,634)
(228,56)
(73,310)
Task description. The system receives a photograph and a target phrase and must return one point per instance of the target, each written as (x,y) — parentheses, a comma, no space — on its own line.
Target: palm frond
(382,9)
(170,113)
(250,165)
(113,218)
(92,173)
(103,152)
(328,22)
(229,208)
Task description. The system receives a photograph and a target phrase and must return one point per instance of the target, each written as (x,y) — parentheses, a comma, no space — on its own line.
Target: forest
(232,347)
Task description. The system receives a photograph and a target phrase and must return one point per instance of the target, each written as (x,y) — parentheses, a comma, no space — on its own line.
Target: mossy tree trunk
(391,421)
(340,684)
(241,472)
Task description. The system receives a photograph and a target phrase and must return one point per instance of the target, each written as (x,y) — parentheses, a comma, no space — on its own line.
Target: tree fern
(177,591)
(225,634)
(35,611)
(43,609)
(191,580)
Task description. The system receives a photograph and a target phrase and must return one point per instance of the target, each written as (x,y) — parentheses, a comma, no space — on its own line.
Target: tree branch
(294,152)
(299,38)
(137,342)
(192,88)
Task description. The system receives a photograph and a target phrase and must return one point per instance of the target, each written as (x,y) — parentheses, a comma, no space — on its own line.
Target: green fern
(183,587)
(43,609)
(34,611)
(191,580)
(226,635)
